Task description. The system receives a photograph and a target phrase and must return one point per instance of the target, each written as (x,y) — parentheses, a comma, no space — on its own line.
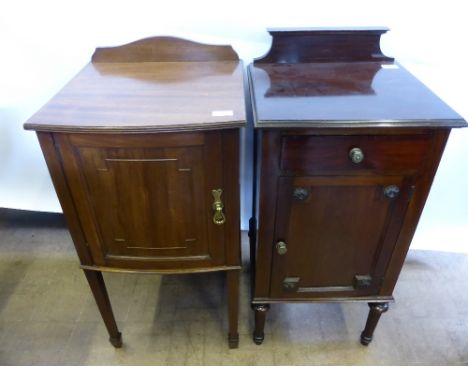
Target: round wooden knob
(281,248)
(356,155)
(391,191)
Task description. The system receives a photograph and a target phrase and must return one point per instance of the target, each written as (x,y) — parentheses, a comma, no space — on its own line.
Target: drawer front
(315,154)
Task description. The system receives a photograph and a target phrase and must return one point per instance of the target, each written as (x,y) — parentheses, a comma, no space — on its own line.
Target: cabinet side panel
(54,165)
(213,175)
(267,197)
(230,139)
(75,179)
(414,211)
(253,226)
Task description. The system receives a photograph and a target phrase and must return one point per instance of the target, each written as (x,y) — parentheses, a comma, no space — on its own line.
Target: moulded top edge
(372,29)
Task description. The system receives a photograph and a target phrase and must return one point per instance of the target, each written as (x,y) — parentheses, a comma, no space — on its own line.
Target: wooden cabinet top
(160,84)
(340,78)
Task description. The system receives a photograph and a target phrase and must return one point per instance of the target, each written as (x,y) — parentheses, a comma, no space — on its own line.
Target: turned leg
(260,316)
(96,282)
(233,307)
(376,310)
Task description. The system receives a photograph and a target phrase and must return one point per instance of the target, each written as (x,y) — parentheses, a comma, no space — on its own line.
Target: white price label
(389,66)
(222,113)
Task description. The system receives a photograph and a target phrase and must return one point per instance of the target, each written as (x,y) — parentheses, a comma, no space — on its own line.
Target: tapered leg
(376,310)
(233,307)
(96,282)
(260,316)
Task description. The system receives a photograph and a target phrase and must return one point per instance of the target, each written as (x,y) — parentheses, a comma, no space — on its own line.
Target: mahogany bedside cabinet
(347,143)
(143,150)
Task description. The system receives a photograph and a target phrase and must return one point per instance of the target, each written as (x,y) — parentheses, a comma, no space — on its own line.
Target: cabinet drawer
(318,154)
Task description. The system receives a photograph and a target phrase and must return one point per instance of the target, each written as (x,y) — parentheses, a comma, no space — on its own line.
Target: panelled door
(147,200)
(334,235)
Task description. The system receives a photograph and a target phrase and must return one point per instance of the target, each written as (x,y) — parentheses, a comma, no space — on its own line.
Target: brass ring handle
(218,217)
(356,155)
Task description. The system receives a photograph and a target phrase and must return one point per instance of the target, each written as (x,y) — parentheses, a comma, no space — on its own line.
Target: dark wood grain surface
(137,146)
(330,226)
(146,96)
(294,45)
(318,154)
(165,49)
(146,199)
(335,234)
(338,94)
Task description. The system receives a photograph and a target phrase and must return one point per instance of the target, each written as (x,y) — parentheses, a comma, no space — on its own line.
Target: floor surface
(48,315)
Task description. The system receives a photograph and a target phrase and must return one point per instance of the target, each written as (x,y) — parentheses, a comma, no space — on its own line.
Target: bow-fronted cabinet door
(148,200)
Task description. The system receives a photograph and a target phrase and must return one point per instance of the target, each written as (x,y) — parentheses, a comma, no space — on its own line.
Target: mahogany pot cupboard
(143,149)
(347,143)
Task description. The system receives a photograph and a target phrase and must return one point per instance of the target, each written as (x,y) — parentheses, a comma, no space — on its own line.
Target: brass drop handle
(356,155)
(218,217)
(281,248)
